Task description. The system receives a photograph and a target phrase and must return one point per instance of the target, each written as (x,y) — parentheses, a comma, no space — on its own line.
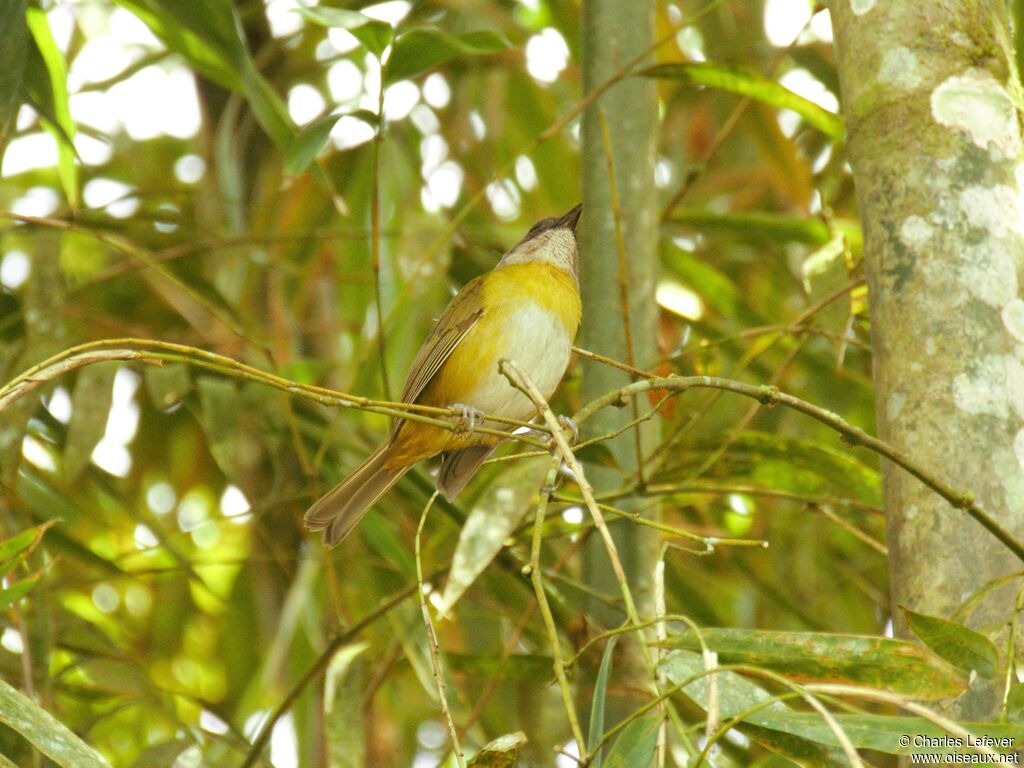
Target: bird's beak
(570,219)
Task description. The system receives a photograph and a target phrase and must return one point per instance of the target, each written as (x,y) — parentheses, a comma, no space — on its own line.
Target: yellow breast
(531,312)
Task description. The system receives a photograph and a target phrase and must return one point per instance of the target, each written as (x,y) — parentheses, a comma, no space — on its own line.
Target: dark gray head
(552,240)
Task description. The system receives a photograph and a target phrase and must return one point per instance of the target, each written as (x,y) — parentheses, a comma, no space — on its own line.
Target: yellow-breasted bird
(526,309)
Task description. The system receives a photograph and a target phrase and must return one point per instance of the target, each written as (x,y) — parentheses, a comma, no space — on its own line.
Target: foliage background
(180,601)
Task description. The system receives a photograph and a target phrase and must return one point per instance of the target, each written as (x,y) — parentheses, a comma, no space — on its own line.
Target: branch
(770,395)
(158,352)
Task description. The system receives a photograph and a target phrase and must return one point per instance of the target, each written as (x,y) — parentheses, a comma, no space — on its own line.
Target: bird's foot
(569,424)
(467,417)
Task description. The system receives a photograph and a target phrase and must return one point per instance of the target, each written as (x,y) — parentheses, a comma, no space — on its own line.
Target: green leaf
(13,594)
(766,227)
(13,55)
(491,521)
(957,644)
(374,35)
(49,736)
(882,733)
(825,271)
(207,34)
(21,543)
(503,752)
(737,696)
(381,537)
(93,394)
(746,82)
(64,131)
(180,38)
(878,662)
(805,466)
(1014,707)
(597,708)
(308,142)
(422,49)
(634,748)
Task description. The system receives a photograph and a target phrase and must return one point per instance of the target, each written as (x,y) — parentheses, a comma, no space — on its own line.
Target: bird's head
(552,240)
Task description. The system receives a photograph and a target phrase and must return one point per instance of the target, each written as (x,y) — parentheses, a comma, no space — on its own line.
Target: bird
(526,309)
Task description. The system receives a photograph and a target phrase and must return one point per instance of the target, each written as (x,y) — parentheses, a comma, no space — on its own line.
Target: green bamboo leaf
(746,82)
(882,733)
(180,38)
(799,466)
(5,763)
(422,49)
(491,521)
(64,130)
(13,55)
(308,142)
(93,394)
(957,644)
(207,34)
(10,595)
(374,35)
(503,752)
(1014,707)
(45,732)
(382,539)
(22,543)
(597,708)
(635,746)
(879,662)
(767,227)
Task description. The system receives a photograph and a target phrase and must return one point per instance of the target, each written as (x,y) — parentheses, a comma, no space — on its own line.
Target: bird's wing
(457,320)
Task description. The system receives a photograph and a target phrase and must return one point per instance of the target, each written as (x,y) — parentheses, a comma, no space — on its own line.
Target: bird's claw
(468,417)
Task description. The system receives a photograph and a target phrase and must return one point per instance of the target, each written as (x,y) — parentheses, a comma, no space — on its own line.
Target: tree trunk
(614,33)
(930,93)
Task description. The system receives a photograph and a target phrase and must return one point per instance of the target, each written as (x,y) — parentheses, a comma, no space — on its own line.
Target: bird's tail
(337,512)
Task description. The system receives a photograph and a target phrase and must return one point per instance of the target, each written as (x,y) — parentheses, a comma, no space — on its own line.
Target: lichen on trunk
(930,93)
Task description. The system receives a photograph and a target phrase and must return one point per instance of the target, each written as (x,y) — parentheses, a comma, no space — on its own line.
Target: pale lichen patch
(896,402)
(899,68)
(1018,447)
(987,270)
(994,208)
(995,387)
(929,345)
(1013,318)
(860,7)
(976,103)
(915,232)
(1006,468)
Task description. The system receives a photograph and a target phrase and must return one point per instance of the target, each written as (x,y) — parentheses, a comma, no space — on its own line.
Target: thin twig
(536,578)
(435,654)
(158,352)
(771,396)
